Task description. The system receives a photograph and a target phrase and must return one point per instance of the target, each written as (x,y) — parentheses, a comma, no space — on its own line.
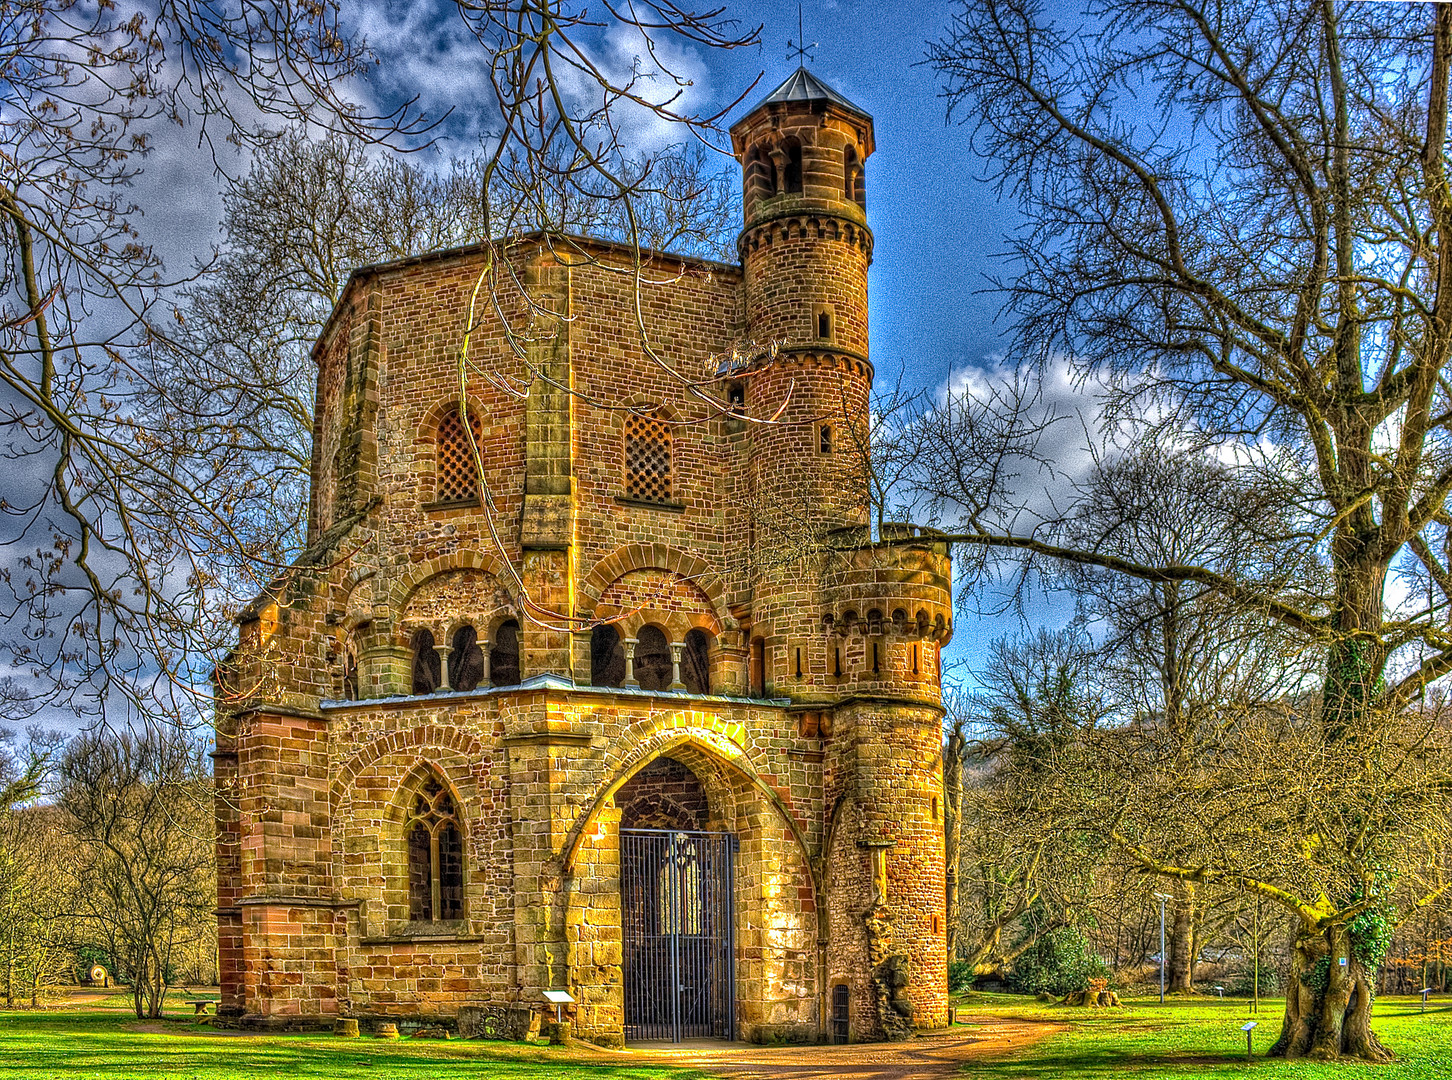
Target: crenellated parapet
(899,584)
(886,612)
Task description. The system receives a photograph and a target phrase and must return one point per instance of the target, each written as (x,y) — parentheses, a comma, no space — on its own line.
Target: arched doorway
(677,908)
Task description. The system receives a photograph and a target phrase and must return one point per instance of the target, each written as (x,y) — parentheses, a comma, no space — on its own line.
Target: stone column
(630,679)
(484,648)
(676,684)
(443,651)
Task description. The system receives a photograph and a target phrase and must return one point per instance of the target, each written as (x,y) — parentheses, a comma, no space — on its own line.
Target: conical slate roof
(802,85)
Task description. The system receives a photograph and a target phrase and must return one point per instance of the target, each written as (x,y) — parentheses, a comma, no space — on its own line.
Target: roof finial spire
(803,52)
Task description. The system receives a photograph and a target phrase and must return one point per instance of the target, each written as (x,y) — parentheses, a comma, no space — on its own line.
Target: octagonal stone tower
(512,719)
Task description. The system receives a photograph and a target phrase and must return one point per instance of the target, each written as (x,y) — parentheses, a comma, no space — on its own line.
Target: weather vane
(796,48)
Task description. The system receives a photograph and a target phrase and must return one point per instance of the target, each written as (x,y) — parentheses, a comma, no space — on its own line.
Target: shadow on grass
(91,1044)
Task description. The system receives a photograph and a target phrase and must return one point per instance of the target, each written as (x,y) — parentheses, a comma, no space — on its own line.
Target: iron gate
(679,934)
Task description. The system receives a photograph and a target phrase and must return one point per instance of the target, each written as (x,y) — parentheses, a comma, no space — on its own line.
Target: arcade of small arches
(465,661)
(650,660)
(775,167)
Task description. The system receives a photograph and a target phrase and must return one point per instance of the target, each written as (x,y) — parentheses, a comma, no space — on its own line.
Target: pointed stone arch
(778,891)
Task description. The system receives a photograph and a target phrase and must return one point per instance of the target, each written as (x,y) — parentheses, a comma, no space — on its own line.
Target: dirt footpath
(938,1055)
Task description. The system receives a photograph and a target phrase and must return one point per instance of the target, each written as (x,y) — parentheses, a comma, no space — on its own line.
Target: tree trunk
(1180,962)
(1328,1000)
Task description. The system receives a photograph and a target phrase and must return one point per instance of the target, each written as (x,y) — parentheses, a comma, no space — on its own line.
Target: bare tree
(130,535)
(1175,654)
(1025,861)
(139,809)
(1268,263)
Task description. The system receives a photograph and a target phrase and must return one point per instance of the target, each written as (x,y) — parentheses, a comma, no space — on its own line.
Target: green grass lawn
(1145,1040)
(104,1044)
(1142,1041)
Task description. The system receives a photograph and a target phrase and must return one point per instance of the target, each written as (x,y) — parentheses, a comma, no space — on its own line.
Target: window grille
(647,459)
(458,480)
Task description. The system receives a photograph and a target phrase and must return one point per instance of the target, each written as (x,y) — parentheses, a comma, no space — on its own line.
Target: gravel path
(937,1055)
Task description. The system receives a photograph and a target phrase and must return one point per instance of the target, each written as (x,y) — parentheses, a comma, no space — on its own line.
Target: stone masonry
(728,648)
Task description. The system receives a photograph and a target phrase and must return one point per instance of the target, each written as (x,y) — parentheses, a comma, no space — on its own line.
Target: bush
(1058,963)
(960,975)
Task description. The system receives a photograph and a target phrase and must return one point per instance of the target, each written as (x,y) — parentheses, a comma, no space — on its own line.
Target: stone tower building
(629,703)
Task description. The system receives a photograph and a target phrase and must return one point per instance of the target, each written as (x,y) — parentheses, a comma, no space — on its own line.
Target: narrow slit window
(793,172)
(824,439)
(647,459)
(799,663)
(824,324)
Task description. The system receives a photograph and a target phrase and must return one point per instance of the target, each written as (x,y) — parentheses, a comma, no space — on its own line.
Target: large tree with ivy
(1238,216)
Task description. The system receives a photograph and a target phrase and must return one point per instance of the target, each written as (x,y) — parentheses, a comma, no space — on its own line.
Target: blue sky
(936,224)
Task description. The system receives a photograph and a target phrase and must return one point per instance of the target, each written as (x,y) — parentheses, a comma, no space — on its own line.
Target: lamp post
(1162,897)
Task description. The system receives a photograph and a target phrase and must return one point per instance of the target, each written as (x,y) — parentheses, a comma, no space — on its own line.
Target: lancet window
(435,856)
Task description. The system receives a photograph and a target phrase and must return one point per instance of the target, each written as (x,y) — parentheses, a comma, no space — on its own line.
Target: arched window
(793,173)
(696,662)
(435,857)
(653,659)
(457,476)
(647,459)
(466,660)
(760,173)
(426,670)
(607,657)
(680,899)
(504,655)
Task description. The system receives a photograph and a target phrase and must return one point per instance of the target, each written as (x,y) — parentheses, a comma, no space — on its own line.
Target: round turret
(805,249)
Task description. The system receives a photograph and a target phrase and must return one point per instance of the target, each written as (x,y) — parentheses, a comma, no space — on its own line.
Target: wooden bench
(200,1005)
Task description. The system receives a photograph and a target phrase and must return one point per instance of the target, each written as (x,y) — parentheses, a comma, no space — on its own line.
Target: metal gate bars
(679,934)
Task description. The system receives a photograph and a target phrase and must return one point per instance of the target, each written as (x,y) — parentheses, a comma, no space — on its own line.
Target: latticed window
(458,480)
(435,857)
(647,459)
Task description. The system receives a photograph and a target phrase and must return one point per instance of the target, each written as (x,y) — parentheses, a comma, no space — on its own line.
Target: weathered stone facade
(775,675)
